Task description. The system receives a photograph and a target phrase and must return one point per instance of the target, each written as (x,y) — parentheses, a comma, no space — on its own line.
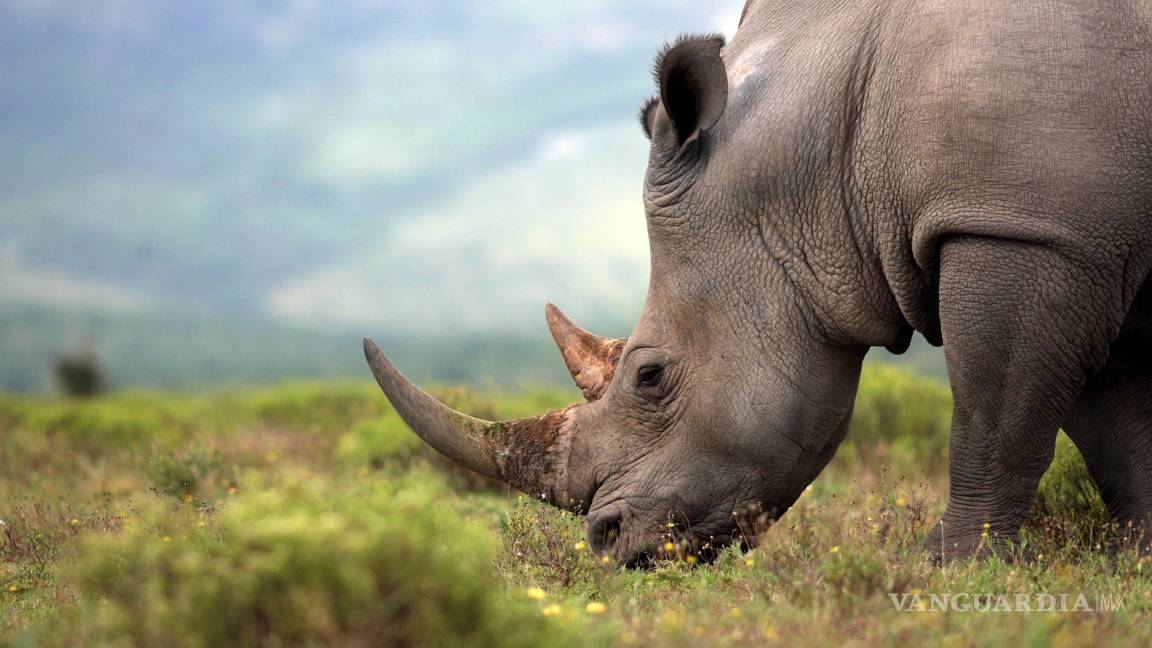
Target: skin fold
(837,177)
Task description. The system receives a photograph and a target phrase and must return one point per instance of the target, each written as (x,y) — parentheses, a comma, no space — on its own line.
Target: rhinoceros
(837,177)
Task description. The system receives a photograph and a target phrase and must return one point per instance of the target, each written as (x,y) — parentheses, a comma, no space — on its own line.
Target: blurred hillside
(185,350)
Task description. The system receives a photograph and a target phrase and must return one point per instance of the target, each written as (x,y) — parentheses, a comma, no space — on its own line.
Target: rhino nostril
(603,530)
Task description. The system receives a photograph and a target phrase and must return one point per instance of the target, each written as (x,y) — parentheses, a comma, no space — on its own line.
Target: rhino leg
(1111,424)
(1021,330)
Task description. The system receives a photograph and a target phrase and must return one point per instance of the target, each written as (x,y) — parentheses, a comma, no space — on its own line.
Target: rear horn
(590,359)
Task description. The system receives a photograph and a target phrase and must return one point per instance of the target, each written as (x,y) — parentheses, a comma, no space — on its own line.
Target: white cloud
(563,144)
(359,154)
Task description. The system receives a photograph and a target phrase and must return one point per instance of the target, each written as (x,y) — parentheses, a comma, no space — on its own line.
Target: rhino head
(727,394)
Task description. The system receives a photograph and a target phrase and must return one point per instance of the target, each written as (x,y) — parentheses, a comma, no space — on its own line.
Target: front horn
(530,454)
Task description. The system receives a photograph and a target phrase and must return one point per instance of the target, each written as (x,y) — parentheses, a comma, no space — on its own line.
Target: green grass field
(307,514)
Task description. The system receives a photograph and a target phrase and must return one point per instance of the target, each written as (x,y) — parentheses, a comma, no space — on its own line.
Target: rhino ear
(648,116)
(693,87)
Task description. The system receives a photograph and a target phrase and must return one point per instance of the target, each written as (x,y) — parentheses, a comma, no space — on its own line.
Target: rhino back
(1039,112)
(1028,121)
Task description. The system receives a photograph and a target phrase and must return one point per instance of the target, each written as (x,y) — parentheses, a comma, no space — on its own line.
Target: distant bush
(96,427)
(904,410)
(80,375)
(12,409)
(379,442)
(309,406)
(523,402)
(382,566)
(386,443)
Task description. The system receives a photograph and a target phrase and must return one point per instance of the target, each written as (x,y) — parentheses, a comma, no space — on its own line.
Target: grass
(307,514)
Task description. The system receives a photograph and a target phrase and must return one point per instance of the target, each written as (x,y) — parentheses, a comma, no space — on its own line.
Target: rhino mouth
(614,532)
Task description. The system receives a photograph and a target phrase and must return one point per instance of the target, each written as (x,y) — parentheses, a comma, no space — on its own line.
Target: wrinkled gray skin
(838,176)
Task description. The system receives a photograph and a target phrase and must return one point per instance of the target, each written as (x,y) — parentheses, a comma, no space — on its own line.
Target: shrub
(544,545)
(852,576)
(379,442)
(314,407)
(1068,508)
(387,443)
(901,409)
(374,566)
(184,473)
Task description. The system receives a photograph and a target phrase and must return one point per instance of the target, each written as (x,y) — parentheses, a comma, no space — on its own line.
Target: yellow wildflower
(901,502)
(605,559)
(749,562)
(834,549)
(690,559)
(669,547)
(188,498)
(596,607)
(581,546)
(74,521)
(536,594)
(550,610)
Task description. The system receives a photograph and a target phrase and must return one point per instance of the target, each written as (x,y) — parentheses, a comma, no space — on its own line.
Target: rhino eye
(649,375)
